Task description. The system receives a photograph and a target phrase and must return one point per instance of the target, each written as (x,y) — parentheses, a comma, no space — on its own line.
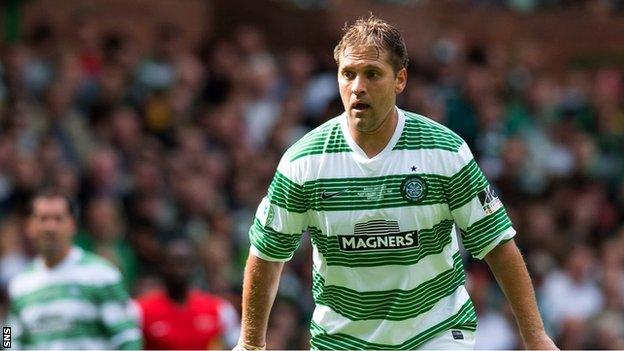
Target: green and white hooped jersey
(387,271)
(78,304)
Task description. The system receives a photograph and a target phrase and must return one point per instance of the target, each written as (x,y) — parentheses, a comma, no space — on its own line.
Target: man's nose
(358,88)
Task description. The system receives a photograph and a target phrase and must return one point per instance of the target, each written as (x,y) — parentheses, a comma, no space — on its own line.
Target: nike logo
(328,195)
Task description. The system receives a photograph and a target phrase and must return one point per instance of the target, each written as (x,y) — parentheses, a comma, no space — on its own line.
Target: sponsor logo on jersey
(489,200)
(413,189)
(379,242)
(378,235)
(326,195)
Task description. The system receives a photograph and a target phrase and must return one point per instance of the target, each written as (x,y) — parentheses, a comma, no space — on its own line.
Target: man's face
(368,86)
(179,263)
(52,226)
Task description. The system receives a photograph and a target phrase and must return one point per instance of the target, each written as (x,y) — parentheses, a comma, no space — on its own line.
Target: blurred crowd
(158,141)
(520,6)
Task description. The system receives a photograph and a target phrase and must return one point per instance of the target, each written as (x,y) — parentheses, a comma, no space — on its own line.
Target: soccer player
(67,298)
(183,318)
(380,191)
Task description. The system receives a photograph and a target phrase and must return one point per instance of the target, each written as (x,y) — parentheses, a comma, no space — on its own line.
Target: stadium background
(167,119)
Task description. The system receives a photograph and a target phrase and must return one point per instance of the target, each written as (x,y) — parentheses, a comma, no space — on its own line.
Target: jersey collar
(75,253)
(360,155)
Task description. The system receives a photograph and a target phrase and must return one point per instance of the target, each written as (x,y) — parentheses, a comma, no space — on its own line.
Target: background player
(68,298)
(181,317)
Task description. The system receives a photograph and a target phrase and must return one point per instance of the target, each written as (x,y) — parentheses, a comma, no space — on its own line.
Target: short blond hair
(378,34)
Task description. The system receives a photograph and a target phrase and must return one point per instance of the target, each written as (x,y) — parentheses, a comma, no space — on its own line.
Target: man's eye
(372,74)
(348,75)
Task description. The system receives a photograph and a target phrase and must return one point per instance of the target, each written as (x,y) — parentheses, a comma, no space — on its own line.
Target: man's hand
(243,347)
(539,342)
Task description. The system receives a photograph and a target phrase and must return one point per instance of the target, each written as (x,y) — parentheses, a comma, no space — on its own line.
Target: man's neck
(177,293)
(372,143)
(53,260)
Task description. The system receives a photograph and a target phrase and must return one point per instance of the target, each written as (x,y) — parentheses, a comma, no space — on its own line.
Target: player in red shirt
(182,317)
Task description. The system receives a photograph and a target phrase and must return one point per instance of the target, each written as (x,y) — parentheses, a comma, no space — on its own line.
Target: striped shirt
(387,272)
(78,304)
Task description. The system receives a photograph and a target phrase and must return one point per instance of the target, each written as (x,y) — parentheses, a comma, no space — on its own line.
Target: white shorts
(454,339)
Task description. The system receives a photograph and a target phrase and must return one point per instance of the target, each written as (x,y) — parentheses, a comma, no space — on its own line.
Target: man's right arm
(259,289)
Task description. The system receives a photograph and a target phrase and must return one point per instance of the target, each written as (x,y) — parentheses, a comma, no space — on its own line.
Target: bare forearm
(259,289)
(508,266)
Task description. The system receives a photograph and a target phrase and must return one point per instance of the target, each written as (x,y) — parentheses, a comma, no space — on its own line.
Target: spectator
(572,295)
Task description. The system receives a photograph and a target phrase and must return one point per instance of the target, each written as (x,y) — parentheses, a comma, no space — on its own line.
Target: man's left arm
(487,233)
(507,264)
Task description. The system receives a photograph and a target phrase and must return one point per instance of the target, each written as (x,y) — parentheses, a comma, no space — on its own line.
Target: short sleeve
(230,324)
(281,217)
(476,208)
(118,314)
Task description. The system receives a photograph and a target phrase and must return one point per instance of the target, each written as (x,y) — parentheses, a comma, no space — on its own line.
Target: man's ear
(400,81)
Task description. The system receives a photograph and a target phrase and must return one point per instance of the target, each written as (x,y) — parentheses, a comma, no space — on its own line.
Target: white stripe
(93,274)
(125,336)
(390,332)
(70,309)
(81,343)
(333,222)
(470,213)
(409,218)
(283,221)
(507,234)
(354,165)
(15,323)
(365,279)
(342,165)
(116,312)
(254,251)
(465,155)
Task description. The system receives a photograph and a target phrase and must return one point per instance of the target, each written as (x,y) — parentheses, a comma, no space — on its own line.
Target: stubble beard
(372,130)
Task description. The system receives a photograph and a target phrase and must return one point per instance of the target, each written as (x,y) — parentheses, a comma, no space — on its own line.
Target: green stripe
(115,292)
(430,241)
(287,194)
(89,329)
(355,193)
(396,304)
(465,185)
(421,133)
(122,326)
(131,345)
(50,293)
(483,232)
(327,138)
(465,319)
(271,243)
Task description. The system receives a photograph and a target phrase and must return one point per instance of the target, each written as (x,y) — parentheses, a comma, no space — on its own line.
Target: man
(182,318)
(67,298)
(379,190)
